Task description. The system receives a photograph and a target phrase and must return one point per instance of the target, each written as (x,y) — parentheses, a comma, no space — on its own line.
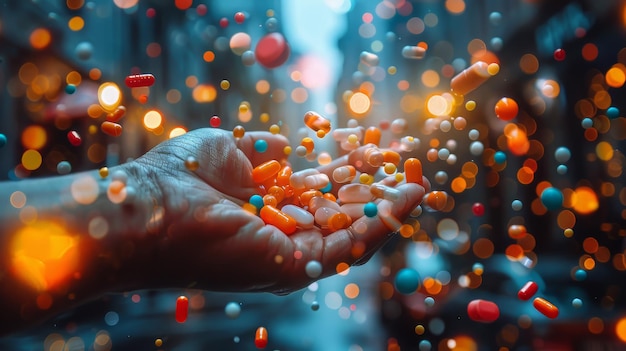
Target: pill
(354,192)
(272,215)
(319,201)
(435,200)
(323,214)
(74,138)
(239,132)
(483,311)
(260,338)
(116,115)
(265,171)
(282,178)
(369,58)
(330,197)
(306,196)
(277,192)
(470,78)
(308,144)
(296,180)
(303,218)
(391,157)
(545,307)
(384,192)
(110,128)
(342,134)
(339,221)
(413,52)
(370,209)
(139,80)
(270,200)
(527,291)
(316,122)
(413,171)
(316,181)
(372,136)
(506,109)
(409,143)
(182,309)
(344,174)
(374,157)
(348,146)
(354,210)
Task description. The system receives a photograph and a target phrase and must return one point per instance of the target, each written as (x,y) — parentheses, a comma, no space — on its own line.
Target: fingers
(368,233)
(276,144)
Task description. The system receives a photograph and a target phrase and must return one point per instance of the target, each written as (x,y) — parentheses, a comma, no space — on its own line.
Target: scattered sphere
(191,163)
(256,201)
(499,157)
(552,198)
(64,167)
(559,54)
(441,177)
(70,89)
(240,17)
(473,134)
(577,303)
(271,25)
(580,274)
(83,50)
(3,140)
(272,50)
(562,154)
(215,121)
(407,281)
(232,310)
(612,112)
(429,301)
(425,345)
(478,209)
(247,58)
(370,209)
(495,18)
(497,43)
(477,148)
(313,269)
(223,22)
(315,305)
(587,123)
(561,169)
(260,145)
(506,109)
(478,268)
(516,205)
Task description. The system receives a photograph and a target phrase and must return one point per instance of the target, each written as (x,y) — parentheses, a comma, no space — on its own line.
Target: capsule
(413,171)
(545,307)
(367,58)
(282,178)
(413,52)
(272,215)
(317,122)
(308,143)
(483,311)
(139,80)
(344,174)
(391,157)
(296,180)
(110,128)
(435,200)
(260,338)
(374,157)
(319,201)
(277,192)
(303,218)
(182,309)
(265,171)
(384,192)
(354,210)
(409,143)
(308,195)
(316,181)
(74,138)
(372,136)
(116,115)
(527,291)
(354,192)
(470,79)
(342,134)
(331,219)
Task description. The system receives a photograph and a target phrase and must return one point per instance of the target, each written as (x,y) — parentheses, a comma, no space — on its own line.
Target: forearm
(68,239)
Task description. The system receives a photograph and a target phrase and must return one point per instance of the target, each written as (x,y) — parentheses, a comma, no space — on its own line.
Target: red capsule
(182,309)
(260,338)
(74,138)
(116,115)
(139,80)
(483,311)
(527,291)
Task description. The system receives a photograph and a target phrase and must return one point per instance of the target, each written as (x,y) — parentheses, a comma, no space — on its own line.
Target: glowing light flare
(584,200)
(109,96)
(177,131)
(615,76)
(43,254)
(40,38)
(440,105)
(204,93)
(152,119)
(314,72)
(549,88)
(125,4)
(359,103)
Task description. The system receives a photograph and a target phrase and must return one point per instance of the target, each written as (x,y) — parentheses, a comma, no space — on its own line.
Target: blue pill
(612,112)
(580,274)
(260,145)
(499,157)
(327,188)
(552,198)
(586,123)
(3,140)
(370,209)
(70,88)
(577,303)
(407,281)
(256,201)
(561,169)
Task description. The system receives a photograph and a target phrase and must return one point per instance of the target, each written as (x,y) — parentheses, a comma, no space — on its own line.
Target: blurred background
(563,62)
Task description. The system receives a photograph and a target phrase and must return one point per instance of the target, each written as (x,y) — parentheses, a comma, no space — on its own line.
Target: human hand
(205,239)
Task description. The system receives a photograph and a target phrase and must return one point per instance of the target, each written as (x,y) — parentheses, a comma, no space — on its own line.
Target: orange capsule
(374,157)
(277,192)
(282,178)
(436,200)
(308,143)
(269,200)
(391,157)
(260,338)
(116,115)
(344,174)
(470,79)
(110,128)
(330,196)
(272,215)
(545,307)
(265,171)
(413,171)
(372,136)
(316,122)
(306,196)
